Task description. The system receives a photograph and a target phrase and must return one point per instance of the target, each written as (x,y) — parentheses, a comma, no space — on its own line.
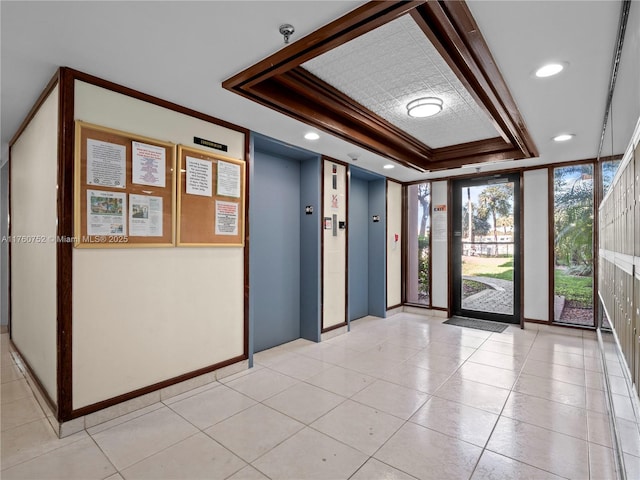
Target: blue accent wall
(310,180)
(377,249)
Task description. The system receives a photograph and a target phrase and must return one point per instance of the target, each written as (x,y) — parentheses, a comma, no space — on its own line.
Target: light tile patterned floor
(401,398)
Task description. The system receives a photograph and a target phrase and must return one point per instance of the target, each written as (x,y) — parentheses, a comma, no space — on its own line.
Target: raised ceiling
(282,83)
(386,68)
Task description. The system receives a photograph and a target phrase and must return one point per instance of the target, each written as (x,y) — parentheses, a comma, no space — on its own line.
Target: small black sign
(376,218)
(210,144)
(308,209)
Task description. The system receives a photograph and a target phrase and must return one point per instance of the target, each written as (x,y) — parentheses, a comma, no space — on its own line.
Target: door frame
(455,252)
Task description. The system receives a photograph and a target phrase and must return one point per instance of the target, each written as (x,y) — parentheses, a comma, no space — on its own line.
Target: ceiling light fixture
(424,107)
(563,137)
(388,166)
(549,70)
(311,136)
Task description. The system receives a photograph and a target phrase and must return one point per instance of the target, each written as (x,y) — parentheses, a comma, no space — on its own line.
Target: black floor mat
(478,324)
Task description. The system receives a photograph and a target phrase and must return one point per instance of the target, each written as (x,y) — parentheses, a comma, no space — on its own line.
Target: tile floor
(402,398)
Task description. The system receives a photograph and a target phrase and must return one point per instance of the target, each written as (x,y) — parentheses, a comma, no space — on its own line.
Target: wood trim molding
(32,375)
(64,250)
(451,28)
(36,106)
(79,412)
(65,78)
(438,309)
(280,83)
(248,160)
(551,229)
(386,247)
(333,327)
(405,242)
(130,92)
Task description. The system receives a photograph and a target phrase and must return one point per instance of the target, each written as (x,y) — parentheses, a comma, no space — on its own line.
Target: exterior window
(418,268)
(609,169)
(573,201)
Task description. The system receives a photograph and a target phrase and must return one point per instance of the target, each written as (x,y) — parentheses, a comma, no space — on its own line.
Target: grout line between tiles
(617,445)
(502,410)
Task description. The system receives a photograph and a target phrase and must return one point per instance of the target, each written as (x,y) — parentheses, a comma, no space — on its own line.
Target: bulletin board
(211,196)
(124,189)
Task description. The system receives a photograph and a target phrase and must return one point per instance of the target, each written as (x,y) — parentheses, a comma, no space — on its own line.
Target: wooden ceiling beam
(279,82)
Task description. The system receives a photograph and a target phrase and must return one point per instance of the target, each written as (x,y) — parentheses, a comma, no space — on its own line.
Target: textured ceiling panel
(385,69)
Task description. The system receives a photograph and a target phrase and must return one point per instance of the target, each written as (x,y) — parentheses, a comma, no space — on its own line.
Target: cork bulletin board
(124,189)
(211,196)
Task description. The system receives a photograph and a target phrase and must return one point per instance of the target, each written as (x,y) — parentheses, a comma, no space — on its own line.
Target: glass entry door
(486,248)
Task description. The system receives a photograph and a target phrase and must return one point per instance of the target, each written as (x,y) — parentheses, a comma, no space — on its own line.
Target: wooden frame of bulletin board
(128,182)
(211,196)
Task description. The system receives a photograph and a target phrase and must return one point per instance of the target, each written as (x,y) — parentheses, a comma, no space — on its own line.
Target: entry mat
(477,324)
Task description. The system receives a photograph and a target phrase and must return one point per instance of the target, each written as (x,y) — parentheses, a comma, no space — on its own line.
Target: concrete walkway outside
(497,298)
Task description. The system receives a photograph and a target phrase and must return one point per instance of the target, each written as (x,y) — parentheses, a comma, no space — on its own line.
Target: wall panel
(394,249)
(536,245)
(141,316)
(334,306)
(34,178)
(439,249)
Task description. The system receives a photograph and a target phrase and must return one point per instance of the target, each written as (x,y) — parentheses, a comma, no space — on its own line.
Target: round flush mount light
(311,136)
(388,166)
(563,137)
(549,70)
(424,107)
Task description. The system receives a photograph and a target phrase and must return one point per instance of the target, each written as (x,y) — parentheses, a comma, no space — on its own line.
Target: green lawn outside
(577,289)
(491,267)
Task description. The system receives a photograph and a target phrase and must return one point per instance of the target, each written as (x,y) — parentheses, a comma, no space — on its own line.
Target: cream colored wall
(394,249)
(335,249)
(141,316)
(536,245)
(34,176)
(439,252)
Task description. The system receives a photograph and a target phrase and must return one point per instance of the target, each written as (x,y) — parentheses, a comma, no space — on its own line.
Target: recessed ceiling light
(563,137)
(549,70)
(388,166)
(311,136)
(424,107)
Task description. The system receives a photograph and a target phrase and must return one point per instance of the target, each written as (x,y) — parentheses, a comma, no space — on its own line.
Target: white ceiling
(392,65)
(182,51)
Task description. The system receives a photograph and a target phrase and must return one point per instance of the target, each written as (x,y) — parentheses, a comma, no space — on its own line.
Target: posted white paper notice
(149,164)
(106,164)
(228,179)
(145,216)
(198,177)
(226,218)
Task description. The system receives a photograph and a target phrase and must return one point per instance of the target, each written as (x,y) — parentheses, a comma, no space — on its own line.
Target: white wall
(394,248)
(439,250)
(334,306)
(34,178)
(141,316)
(536,244)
